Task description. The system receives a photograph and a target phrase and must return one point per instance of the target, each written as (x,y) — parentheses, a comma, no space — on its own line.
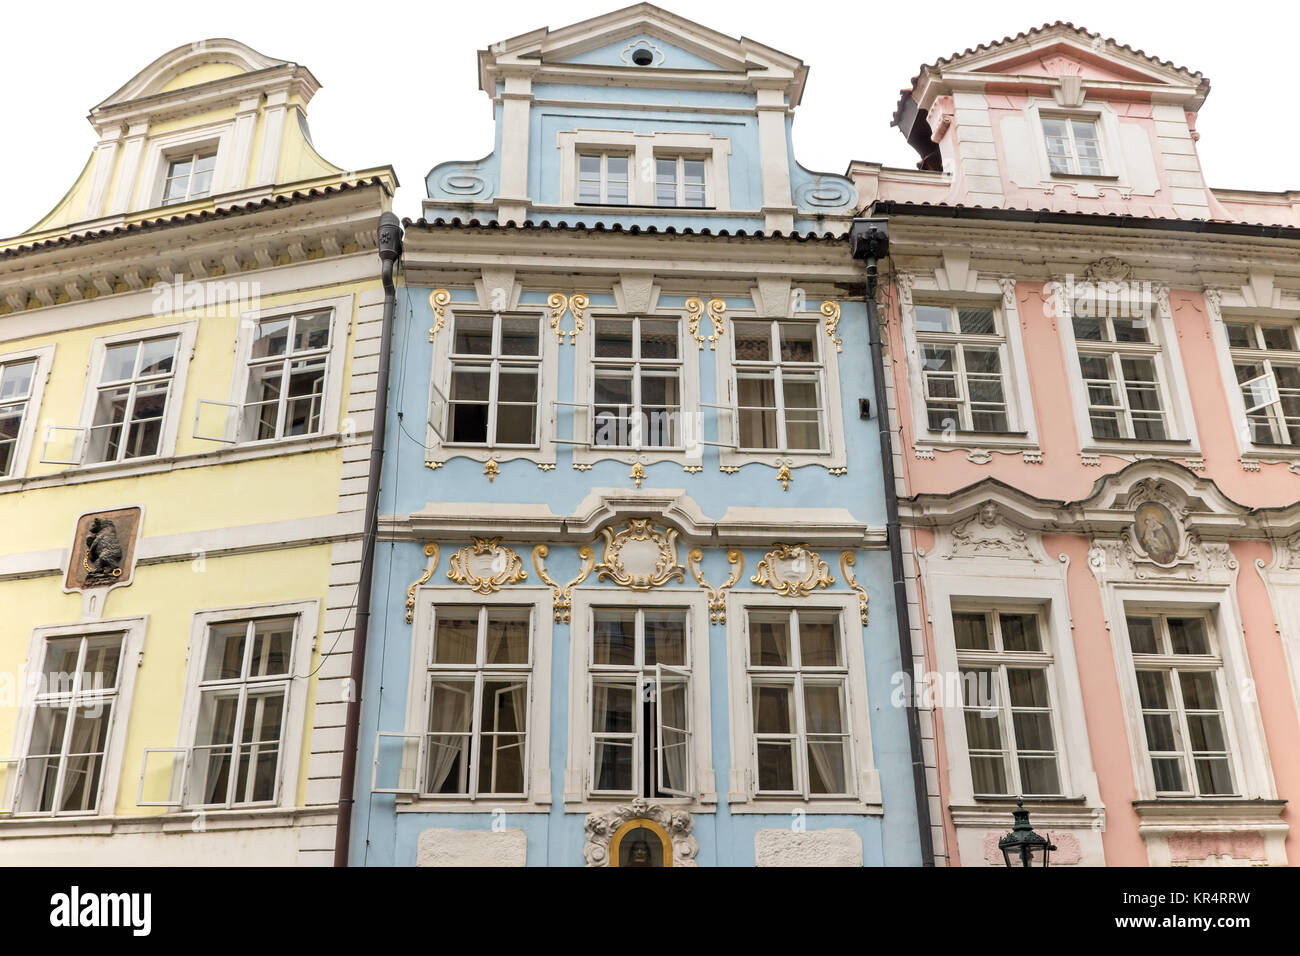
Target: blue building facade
(632,592)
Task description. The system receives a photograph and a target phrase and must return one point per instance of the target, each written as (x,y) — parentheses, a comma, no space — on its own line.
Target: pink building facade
(1094,362)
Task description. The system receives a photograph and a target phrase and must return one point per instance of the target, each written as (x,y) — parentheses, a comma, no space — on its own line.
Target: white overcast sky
(399,84)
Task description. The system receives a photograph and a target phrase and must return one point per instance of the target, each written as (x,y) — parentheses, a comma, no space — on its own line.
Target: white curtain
(450,709)
(676,733)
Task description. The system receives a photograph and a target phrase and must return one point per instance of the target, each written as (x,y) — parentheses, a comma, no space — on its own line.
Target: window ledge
(1084,177)
(247,451)
(786,807)
(1185,447)
(542,804)
(169,820)
(989,812)
(1182,813)
(1011,441)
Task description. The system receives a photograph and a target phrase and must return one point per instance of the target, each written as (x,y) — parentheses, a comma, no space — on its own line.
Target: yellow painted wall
(169,594)
(201,74)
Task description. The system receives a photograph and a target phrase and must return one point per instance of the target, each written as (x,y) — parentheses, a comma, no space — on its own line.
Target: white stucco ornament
(602,826)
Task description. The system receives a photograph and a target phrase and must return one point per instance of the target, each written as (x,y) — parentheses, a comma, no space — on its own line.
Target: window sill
(1084,177)
(1010,441)
(1164,813)
(168,820)
(787,806)
(426,805)
(639,207)
(1123,447)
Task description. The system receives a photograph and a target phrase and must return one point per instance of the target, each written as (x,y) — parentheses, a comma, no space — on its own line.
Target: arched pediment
(160,75)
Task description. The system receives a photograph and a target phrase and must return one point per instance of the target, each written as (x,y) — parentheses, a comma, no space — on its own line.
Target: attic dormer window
(679,181)
(189,177)
(602,179)
(1073,146)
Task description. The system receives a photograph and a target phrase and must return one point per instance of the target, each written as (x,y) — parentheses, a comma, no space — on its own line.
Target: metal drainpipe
(390,249)
(869,241)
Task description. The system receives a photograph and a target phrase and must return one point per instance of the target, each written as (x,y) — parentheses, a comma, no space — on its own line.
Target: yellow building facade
(188,355)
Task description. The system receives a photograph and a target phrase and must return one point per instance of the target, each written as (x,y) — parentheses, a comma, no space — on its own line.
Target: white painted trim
(306,635)
(148,193)
(44,356)
(342,308)
(1114,168)
(537,759)
(642,149)
(577,785)
(864,775)
(114,750)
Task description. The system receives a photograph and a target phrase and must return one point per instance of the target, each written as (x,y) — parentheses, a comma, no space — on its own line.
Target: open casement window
(495,368)
(243,698)
(798,684)
(16,380)
(477,693)
(963,366)
(74,707)
(603,178)
(162,777)
(639,690)
(1179,676)
(397,763)
(1266,361)
(780,388)
(1073,146)
(130,406)
(286,383)
(9,768)
(1007,705)
(680,181)
(1119,364)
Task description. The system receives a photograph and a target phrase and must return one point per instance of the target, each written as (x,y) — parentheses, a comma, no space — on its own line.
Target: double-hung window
(477,693)
(1073,146)
(15,393)
(779,386)
(962,367)
(495,366)
(73,713)
(1007,703)
(243,696)
(1266,361)
(131,399)
(189,177)
(286,376)
(640,692)
(603,178)
(1180,692)
(679,181)
(636,383)
(1119,364)
(798,684)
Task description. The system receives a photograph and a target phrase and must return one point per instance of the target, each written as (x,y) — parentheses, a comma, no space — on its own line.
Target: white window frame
(574,422)
(928,290)
(1175,396)
(306,637)
(643,149)
(1073,160)
(998,660)
(133,631)
(863,777)
(537,773)
(437,448)
(192,157)
(604,156)
(44,356)
(161,150)
(959,341)
(679,179)
(1252,769)
(833,453)
(341,309)
(1170,664)
(1234,309)
(578,794)
(185,333)
(1109,138)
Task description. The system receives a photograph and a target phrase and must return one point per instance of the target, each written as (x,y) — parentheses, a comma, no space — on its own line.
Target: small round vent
(642,57)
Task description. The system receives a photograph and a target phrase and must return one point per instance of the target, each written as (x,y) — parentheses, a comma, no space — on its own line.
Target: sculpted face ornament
(1156,532)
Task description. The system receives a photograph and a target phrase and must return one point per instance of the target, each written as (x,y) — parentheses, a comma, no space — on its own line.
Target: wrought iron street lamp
(1022,846)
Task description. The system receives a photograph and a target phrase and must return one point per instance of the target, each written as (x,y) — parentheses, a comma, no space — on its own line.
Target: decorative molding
(434,464)
(847,560)
(695,309)
(989,532)
(578,303)
(502,566)
(439,299)
(546,465)
(558,303)
(638,473)
(491,468)
(793,570)
(716,308)
(1108,269)
(563,594)
(431,552)
(692,469)
(581,466)
(831,323)
(979,456)
(904,281)
(728,469)
(601,828)
(718,595)
(838,472)
(640,556)
(783,476)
